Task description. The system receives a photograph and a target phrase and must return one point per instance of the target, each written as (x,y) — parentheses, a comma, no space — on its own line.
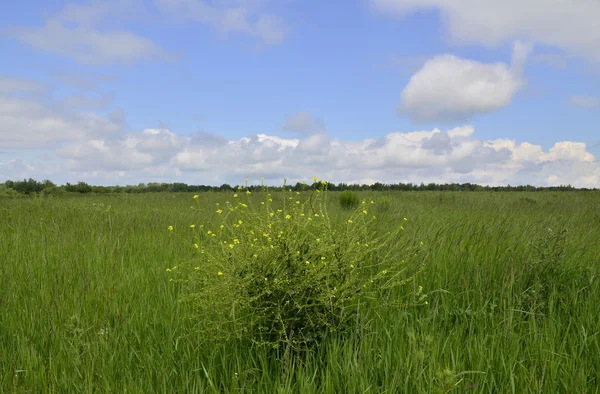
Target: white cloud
(132,151)
(9,85)
(90,13)
(73,32)
(421,156)
(303,122)
(88,45)
(584,101)
(96,148)
(228,17)
(570,25)
(449,88)
(28,122)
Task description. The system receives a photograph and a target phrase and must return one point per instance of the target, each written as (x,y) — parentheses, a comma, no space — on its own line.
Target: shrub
(384,203)
(285,275)
(349,199)
(8,192)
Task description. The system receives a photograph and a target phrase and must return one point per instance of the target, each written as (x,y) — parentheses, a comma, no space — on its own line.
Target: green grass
(86,304)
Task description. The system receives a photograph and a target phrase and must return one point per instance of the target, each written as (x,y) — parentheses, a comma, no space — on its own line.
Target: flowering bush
(282,273)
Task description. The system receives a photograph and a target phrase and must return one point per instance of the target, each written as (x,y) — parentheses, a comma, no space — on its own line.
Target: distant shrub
(53,191)
(8,192)
(288,277)
(349,199)
(384,203)
(80,187)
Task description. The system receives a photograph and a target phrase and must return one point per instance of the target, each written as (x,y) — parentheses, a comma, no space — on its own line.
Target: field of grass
(86,303)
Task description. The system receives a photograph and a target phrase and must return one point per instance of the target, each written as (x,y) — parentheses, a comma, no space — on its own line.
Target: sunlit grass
(86,304)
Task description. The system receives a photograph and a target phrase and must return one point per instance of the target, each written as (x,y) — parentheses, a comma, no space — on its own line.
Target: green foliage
(349,199)
(384,204)
(8,192)
(26,186)
(86,304)
(282,273)
(80,187)
(53,191)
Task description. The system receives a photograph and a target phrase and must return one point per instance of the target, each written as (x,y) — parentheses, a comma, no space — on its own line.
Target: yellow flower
(288,217)
(236,241)
(192,226)
(279,211)
(240,222)
(262,178)
(307,262)
(219,211)
(349,220)
(248,192)
(231,246)
(323,257)
(318,239)
(239,188)
(405,219)
(297,202)
(323,182)
(219,273)
(196,246)
(209,232)
(170,228)
(315,179)
(365,211)
(196,196)
(235,195)
(271,214)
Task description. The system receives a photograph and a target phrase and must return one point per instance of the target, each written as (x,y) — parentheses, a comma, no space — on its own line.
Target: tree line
(32,186)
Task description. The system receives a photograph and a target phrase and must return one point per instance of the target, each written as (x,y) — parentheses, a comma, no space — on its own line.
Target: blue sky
(200,91)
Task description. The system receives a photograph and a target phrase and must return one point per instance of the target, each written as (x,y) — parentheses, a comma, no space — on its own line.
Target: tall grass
(511,280)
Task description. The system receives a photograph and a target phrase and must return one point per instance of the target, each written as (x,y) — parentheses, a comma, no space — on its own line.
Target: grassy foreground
(86,303)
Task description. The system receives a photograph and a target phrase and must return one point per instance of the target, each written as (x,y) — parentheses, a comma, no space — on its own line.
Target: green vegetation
(31,186)
(507,301)
(349,199)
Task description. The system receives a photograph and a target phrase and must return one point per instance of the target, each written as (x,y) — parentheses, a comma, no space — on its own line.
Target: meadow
(507,301)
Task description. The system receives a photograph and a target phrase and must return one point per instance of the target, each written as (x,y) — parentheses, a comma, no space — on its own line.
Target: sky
(493,92)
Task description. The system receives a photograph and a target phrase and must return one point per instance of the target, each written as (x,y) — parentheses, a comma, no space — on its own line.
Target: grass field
(86,304)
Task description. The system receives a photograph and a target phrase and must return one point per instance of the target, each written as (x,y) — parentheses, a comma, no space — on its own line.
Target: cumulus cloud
(81,145)
(584,101)
(566,24)
(30,121)
(449,88)
(239,16)
(132,151)
(455,155)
